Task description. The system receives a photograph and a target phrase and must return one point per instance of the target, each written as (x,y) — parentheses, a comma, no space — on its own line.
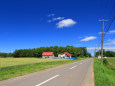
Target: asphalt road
(74,74)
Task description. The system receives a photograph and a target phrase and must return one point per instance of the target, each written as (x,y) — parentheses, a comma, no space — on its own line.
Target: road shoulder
(89,78)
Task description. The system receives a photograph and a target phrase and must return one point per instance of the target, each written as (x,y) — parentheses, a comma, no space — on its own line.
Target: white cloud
(58,18)
(49,21)
(101,32)
(51,15)
(110,42)
(54,19)
(89,38)
(109,47)
(65,23)
(110,32)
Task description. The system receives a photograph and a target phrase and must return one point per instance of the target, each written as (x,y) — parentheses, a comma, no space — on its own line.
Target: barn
(47,54)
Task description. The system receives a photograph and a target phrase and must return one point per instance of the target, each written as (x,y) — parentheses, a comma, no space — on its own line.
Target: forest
(37,52)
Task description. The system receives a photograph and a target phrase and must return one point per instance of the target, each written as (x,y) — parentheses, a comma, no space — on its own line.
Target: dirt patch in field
(111,65)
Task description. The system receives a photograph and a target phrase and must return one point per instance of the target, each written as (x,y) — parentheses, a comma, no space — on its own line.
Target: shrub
(105,61)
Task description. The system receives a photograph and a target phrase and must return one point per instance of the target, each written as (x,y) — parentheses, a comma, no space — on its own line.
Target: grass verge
(19,70)
(104,74)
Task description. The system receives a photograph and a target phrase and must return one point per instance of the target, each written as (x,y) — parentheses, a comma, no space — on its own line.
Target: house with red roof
(47,54)
(65,54)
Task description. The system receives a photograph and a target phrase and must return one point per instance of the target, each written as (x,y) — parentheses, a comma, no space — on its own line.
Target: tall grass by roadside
(104,74)
(7,72)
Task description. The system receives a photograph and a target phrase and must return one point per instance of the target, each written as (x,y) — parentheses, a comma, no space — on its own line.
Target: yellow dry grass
(5,62)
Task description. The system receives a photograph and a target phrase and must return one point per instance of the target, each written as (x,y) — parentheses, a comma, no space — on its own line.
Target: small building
(47,54)
(99,57)
(65,54)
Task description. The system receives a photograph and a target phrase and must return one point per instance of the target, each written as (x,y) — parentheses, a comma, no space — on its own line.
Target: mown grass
(22,66)
(104,74)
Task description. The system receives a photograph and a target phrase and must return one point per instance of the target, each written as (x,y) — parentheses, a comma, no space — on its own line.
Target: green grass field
(5,62)
(13,67)
(104,74)
(111,61)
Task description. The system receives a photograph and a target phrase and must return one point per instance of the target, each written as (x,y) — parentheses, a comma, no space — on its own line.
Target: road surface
(74,74)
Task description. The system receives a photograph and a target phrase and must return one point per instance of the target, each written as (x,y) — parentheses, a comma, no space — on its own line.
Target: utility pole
(102,41)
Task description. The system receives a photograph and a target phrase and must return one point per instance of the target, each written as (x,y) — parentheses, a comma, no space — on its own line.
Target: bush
(105,61)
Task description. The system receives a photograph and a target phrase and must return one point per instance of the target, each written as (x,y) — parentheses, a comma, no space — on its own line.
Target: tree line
(37,52)
(6,54)
(106,53)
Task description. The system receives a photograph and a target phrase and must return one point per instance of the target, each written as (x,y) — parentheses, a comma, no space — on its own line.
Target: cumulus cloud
(58,18)
(51,15)
(65,23)
(108,47)
(89,38)
(110,42)
(110,32)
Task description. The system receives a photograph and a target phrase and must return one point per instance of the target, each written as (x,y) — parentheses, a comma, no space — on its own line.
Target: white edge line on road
(72,67)
(47,80)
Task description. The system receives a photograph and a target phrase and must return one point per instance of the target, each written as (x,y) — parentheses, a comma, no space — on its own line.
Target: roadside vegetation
(104,74)
(13,67)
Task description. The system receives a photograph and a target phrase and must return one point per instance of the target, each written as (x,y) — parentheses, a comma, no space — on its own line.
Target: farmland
(112,61)
(5,62)
(13,67)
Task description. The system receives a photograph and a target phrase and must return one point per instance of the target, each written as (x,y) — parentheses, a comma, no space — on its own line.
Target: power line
(109,24)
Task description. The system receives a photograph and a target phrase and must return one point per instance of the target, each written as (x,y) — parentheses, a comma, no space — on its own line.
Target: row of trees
(37,52)
(106,53)
(6,54)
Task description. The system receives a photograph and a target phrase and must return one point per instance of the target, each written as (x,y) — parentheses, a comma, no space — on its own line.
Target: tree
(106,53)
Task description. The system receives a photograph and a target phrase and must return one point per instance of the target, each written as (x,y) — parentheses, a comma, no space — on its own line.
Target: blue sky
(36,23)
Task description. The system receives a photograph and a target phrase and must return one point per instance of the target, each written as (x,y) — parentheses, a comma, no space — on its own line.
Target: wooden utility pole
(102,41)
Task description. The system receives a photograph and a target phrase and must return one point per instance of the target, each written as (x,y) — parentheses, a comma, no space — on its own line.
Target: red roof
(47,53)
(60,53)
(68,54)
(64,53)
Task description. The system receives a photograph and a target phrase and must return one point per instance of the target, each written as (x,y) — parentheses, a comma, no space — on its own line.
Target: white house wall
(63,55)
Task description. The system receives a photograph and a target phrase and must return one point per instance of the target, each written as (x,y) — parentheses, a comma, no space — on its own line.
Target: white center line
(73,67)
(47,80)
